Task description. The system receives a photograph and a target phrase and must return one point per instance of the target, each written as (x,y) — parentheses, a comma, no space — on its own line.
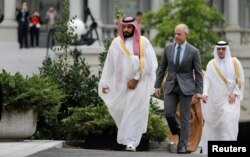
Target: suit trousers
(171,101)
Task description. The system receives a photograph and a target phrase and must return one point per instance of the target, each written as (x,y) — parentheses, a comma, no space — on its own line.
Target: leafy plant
(79,85)
(119,13)
(24,93)
(91,119)
(72,74)
(64,34)
(96,120)
(157,129)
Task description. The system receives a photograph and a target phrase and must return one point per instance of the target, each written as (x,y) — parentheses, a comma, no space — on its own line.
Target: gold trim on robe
(236,70)
(126,52)
(237,73)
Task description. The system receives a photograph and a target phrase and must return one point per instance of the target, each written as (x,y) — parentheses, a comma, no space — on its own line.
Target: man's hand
(105,90)
(157,92)
(198,96)
(231,98)
(204,98)
(132,84)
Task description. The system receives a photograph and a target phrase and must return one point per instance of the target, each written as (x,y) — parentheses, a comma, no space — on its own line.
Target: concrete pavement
(25,61)
(50,148)
(25,148)
(65,152)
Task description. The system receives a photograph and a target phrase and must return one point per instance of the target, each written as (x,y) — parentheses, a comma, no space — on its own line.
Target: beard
(127,34)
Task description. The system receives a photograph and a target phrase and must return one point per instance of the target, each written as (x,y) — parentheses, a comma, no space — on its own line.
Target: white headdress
(225,64)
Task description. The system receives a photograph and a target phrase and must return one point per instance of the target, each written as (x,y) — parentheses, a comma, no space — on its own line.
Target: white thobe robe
(220,118)
(129,108)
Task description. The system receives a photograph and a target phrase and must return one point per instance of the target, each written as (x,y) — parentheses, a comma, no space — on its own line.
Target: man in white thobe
(222,95)
(127,82)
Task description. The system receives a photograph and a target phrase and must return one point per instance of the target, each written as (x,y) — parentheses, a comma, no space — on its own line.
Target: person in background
(22,18)
(138,18)
(222,95)
(51,17)
(127,82)
(117,20)
(35,23)
(1,16)
(181,61)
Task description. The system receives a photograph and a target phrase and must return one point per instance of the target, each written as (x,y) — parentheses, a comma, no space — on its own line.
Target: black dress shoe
(182,150)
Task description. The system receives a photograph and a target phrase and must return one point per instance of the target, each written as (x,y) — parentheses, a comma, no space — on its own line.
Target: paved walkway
(25,61)
(102,153)
(26,147)
(48,148)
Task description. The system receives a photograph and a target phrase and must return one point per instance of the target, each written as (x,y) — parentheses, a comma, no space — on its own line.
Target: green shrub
(24,93)
(96,120)
(79,86)
(91,119)
(157,130)
(80,90)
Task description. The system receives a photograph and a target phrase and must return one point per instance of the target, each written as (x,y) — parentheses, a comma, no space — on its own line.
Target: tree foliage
(23,93)
(196,14)
(72,74)
(65,39)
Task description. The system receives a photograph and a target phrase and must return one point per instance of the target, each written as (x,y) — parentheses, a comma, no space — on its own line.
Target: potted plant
(23,98)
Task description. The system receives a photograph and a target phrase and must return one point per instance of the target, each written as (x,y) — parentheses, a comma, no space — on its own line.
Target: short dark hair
(139,13)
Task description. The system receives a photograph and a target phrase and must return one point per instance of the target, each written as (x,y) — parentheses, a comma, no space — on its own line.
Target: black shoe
(182,150)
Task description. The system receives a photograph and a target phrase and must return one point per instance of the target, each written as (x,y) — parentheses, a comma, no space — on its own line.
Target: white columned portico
(76,9)
(233,28)
(8,28)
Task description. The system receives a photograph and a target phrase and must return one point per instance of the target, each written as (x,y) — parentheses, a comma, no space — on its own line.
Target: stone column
(233,29)
(233,14)
(8,28)
(9,10)
(76,9)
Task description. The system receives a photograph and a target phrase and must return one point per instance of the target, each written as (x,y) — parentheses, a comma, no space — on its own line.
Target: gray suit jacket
(188,75)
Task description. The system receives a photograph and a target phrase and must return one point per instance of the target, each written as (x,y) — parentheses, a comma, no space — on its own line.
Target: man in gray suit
(181,61)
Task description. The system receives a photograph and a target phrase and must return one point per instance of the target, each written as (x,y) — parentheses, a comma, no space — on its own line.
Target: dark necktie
(177,60)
